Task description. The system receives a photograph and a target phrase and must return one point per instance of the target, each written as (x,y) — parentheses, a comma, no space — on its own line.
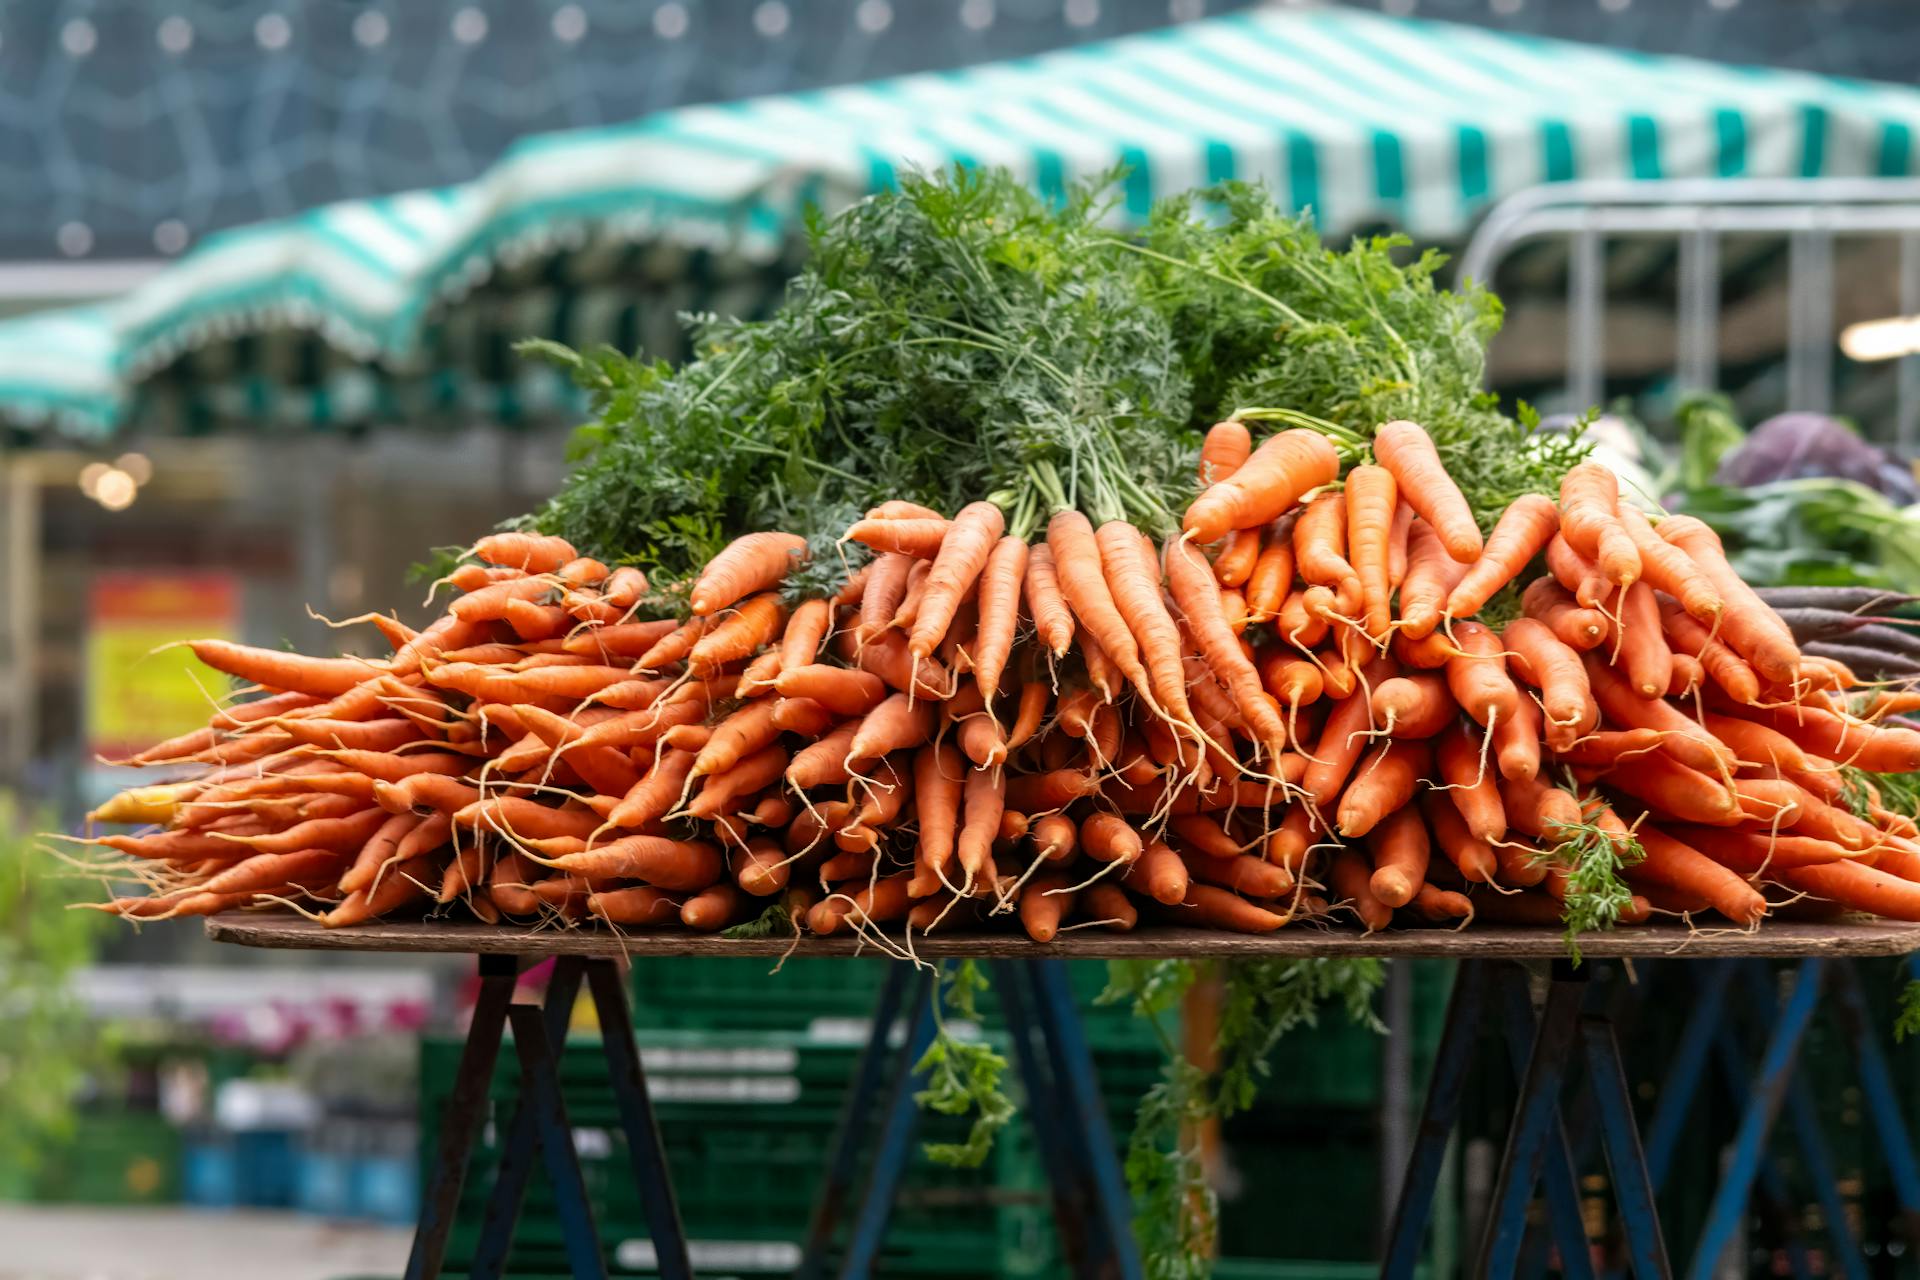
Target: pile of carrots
(1287,711)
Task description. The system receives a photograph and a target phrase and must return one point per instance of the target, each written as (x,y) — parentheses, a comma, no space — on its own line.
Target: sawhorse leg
(1536,1142)
(1763,1108)
(1883,1102)
(895,1146)
(539,1124)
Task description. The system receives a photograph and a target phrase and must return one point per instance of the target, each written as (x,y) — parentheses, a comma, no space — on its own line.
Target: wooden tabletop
(1779,939)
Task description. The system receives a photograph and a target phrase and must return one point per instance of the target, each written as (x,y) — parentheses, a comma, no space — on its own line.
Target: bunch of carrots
(1286,711)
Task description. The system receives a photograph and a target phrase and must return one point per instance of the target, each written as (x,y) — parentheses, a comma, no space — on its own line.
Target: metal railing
(1696,215)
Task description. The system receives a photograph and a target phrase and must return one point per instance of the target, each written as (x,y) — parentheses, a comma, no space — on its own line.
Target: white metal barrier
(1696,214)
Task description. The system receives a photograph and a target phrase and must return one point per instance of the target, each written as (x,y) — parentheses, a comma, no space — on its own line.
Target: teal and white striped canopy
(378,310)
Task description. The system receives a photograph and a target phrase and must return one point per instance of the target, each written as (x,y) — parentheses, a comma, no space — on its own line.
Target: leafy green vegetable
(1813,532)
(776,919)
(963,1075)
(1708,432)
(1174,1208)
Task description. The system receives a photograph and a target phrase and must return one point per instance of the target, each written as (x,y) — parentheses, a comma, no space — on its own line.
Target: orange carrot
(1432,574)
(751,563)
(963,554)
(405,883)
(638,904)
(1470,786)
(1026,720)
(1160,873)
(1403,518)
(1477,675)
(291,672)
(1320,545)
(1577,627)
(1271,579)
(1413,706)
(1400,851)
(1747,624)
(1052,620)
(654,796)
(1757,743)
(1642,646)
(1669,569)
(983,802)
(918,537)
(1384,782)
(939,775)
(841,690)
(1107,837)
(677,865)
(1553,667)
(1405,449)
(1000,584)
(1371,500)
(1083,583)
(1858,888)
(1133,581)
(738,635)
(1470,854)
(1044,903)
(897,724)
(374,853)
(1516,741)
(1675,865)
(1670,787)
(1589,504)
(1523,530)
(1609,745)
(1579,575)
(1238,554)
(1224,451)
(1216,908)
(888,658)
(1341,742)
(1205,835)
(1254,877)
(1877,749)
(1198,596)
(1688,675)
(1685,741)
(1272,479)
(528,552)
(1350,879)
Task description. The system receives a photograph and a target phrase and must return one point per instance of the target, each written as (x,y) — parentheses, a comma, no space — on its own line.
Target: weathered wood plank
(1781,939)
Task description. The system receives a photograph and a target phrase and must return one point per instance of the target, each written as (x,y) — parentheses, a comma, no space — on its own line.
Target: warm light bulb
(1887,339)
(90,478)
(115,490)
(137,465)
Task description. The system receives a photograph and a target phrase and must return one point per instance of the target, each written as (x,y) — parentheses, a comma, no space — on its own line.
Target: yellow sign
(136,696)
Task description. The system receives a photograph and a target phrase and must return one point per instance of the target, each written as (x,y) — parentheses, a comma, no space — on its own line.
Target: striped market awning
(389,309)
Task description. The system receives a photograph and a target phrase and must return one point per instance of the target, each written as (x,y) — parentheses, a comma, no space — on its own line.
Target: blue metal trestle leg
(540,1093)
(896,1145)
(1626,1162)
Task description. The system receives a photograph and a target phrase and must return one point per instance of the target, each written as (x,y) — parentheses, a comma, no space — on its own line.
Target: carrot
(528,552)
(471,577)
(1579,575)
(824,763)
(840,690)
(739,635)
(1536,809)
(1205,835)
(1406,450)
(1254,877)
(1641,644)
(1589,504)
(1747,624)
(761,868)
(290,672)
(674,646)
(983,803)
(1432,574)
(1271,578)
(1516,742)
(1577,627)
(897,724)
(919,536)
(939,775)
(1109,905)
(1107,837)
(364,735)
(963,554)
(467,872)
(1160,873)
(881,597)
(1350,879)
(1054,837)
(1609,745)
(1756,743)
(624,587)
(536,621)
(335,834)
(1372,498)
(677,865)
(1877,749)
(1224,451)
(713,908)
(1752,852)
(1340,743)
(1233,608)
(1044,903)
(1669,569)
(1238,554)
(1858,888)
(1524,529)
(1400,851)
(1052,621)
(1553,667)
(1298,624)
(1471,855)
(621,640)
(806,629)
(264,872)
(1678,866)
(1670,787)
(1272,479)
(1688,675)
(741,734)
(1000,584)
(401,885)
(981,741)
(888,658)
(751,563)
(1026,720)
(1477,676)
(1437,906)
(1413,706)
(1198,595)
(653,797)
(1403,518)
(1385,782)
(526,819)
(1320,545)
(635,905)
(1471,787)
(1133,583)
(1685,741)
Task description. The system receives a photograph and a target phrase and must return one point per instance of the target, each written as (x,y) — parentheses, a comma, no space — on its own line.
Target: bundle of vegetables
(1285,710)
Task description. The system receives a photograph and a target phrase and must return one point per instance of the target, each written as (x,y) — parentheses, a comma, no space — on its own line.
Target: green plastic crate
(745,1119)
(113,1157)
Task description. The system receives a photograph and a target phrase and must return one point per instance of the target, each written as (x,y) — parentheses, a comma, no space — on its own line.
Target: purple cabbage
(1800,446)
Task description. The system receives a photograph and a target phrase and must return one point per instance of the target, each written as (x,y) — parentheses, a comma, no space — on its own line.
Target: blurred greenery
(48,1044)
